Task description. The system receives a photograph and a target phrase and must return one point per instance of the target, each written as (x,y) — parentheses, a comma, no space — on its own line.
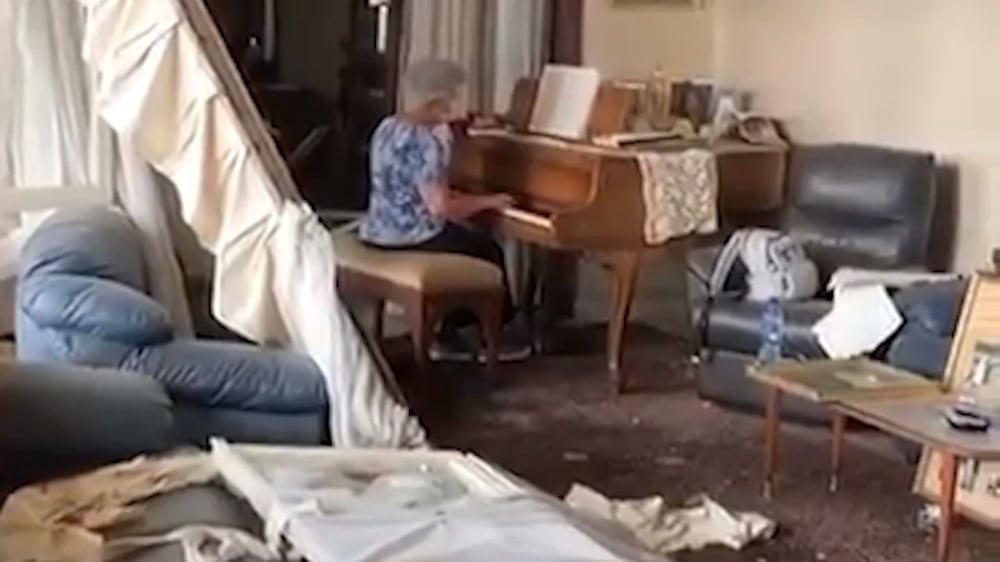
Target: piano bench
(426,285)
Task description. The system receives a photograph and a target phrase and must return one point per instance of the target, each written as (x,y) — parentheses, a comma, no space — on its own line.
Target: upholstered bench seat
(426,272)
(426,285)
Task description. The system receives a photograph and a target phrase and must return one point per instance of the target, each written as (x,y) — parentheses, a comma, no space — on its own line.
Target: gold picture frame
(977,339)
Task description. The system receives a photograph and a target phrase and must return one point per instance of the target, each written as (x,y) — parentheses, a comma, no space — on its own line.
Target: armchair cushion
(96,307)
(233,375)
(862,206)
(111,245)
(918,351)
(932,307)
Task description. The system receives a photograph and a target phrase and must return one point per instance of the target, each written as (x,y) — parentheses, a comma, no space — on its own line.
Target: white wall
(919,74)
(629,41)
(908,73)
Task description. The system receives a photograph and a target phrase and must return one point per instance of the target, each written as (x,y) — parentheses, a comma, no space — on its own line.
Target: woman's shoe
(512,346)
(453,347)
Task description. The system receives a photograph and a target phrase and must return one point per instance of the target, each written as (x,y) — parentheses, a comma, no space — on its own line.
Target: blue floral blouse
(404,156)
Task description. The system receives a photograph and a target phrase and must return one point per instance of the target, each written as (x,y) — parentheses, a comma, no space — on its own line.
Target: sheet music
(565,97)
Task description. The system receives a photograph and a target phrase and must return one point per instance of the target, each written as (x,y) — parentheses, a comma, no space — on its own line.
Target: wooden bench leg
(490,323)
(422,318)
(378,319)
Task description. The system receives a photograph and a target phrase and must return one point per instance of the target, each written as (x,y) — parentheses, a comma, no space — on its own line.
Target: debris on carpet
(669,530)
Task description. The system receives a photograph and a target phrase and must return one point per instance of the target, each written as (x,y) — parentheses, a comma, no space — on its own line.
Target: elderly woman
(412,207)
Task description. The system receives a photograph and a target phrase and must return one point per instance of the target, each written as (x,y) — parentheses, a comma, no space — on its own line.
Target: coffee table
(828,382)
(919,420)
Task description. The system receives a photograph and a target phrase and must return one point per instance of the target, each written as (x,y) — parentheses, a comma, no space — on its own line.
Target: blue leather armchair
(82,300)
(849,205)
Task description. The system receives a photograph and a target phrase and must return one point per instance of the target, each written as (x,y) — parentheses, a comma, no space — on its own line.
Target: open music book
(565,99)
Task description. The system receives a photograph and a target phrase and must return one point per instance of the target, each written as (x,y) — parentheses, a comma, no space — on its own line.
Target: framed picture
(973,370)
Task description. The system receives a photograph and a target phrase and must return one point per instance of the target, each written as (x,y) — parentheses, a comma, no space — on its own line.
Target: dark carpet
(553,422)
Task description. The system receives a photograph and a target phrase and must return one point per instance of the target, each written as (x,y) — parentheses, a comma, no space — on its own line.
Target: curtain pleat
(496,41)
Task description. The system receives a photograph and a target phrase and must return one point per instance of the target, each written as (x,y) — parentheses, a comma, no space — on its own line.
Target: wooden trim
(565,31)
(394,53)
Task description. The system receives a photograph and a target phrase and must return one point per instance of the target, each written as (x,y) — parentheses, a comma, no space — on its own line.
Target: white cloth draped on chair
(53,140)
(112,89)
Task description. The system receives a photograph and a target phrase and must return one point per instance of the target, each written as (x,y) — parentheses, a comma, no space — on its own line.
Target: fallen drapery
(274,264)
(670,530)
(66,520)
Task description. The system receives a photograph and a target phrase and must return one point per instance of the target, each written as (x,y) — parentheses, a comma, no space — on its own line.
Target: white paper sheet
(894,279)
(863,316)
(565,97)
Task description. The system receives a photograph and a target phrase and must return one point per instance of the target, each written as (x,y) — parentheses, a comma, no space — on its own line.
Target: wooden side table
(919,420)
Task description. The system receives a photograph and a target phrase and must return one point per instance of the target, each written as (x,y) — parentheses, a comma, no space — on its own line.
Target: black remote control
(960,418)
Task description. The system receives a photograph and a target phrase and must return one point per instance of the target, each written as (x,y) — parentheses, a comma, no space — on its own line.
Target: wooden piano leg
(624,276)
(530,294)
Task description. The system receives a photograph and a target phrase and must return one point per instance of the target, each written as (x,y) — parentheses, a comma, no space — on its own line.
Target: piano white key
(534,219)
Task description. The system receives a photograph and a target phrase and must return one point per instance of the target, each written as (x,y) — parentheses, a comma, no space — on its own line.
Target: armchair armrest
(56,418)
(96,307)
(700,264)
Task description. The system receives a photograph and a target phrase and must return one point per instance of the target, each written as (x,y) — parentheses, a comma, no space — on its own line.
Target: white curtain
(496,41)
(57,139)
(110,89)
(166,85)
(8,221)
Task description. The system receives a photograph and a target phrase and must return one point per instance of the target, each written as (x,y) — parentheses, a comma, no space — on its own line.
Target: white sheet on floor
(161,85)
(337,505)
(669,530)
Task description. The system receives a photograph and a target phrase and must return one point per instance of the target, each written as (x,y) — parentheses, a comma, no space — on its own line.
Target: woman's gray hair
(430,80)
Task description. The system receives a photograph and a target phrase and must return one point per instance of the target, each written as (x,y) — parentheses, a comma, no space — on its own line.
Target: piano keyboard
(532,219)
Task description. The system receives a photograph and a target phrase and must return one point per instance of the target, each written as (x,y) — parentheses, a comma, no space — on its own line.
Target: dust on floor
(553,422)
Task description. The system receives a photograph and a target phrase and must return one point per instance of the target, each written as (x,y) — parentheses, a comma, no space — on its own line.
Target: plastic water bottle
(772,324)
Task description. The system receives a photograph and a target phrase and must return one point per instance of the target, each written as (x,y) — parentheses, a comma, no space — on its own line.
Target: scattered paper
(669,530)
(851,276)
(862,317)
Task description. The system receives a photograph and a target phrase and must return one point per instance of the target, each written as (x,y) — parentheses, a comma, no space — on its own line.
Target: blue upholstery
(82,300)
(931,312)
(57,418)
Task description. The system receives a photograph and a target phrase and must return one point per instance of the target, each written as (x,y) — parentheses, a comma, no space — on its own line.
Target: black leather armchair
(850,205)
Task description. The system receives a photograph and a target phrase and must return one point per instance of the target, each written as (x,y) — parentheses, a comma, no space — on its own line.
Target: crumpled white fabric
(274,272)
(199,543)
(668,530)
(64,520)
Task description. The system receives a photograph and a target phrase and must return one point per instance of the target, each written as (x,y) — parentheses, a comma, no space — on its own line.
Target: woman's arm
(452,205)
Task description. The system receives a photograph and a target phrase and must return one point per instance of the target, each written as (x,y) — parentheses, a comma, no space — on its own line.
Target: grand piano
(587,198)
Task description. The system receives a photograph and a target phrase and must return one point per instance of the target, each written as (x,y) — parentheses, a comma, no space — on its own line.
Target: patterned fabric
(404,157)
(680,190)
